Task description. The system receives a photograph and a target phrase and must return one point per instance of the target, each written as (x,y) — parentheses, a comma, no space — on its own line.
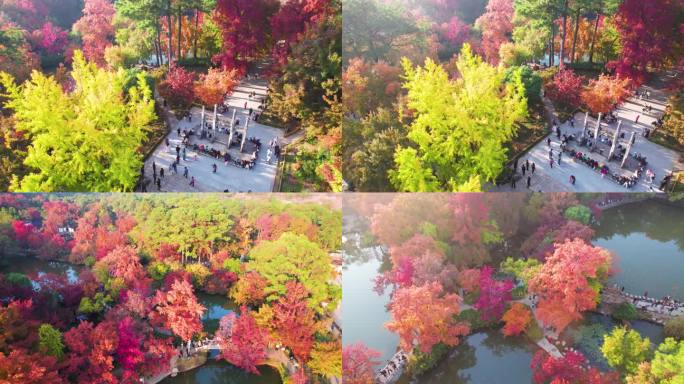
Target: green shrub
(158,270)
(473,317)
(579,213)
(422,362)
(519,292)
(20,279)
(625,311)
(534,331)
(232,265)
(531,80)
(675,328)
(50,340)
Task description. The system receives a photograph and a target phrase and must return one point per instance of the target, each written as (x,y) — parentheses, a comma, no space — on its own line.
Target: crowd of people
(665,305)
(394,366)
(191,348)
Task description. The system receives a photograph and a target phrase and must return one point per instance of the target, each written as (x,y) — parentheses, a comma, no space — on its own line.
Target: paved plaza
(228,177)
(660,160)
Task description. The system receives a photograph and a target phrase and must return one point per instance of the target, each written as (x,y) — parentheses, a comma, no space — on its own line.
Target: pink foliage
(497,25)
(96,29)
(128,352)
(494,295)
(358,362)
(248,344)
(566,88)
(455,31)
(647,36)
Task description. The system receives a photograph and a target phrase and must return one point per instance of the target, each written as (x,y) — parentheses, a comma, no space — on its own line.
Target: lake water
(648,240)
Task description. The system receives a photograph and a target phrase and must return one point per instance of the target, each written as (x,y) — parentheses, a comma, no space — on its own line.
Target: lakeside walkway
(655,310)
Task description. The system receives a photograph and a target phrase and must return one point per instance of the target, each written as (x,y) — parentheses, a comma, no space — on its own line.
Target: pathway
(654,310)
(208,344)
(393,370)
(661,160)
(543,343)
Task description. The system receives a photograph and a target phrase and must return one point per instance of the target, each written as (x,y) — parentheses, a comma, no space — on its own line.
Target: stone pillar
(598,127)
(615,140)
(232,129)
(584,128)
(244,134)
(215,116)
(629,148)
(202,124)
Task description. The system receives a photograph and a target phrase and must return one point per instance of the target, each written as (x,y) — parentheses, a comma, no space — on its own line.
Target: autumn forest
(131,306)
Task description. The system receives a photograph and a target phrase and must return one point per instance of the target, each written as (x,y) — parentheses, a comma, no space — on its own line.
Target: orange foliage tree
(424,316)
(179,310)
(517,318)
(215,84)
(604,94)
(357,364)
(569,282)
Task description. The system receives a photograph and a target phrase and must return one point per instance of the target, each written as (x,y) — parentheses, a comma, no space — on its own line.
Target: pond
(363,311)
(648,238)
(216,306)
(221,372)
(478,359)
(34,266)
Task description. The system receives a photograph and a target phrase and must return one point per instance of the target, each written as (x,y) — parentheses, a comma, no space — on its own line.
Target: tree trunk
(593,38)
(180,30)
(574,37)
(553,43)
(169,33)
(194,43)
(157,45)
(564,34)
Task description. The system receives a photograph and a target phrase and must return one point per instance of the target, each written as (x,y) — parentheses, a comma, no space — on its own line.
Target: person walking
(533,167)
(551,162)
(572,179)
(551,154)
(636,121)
(167,142)
(523,169)
(527,164)
(213,168)
(559,158)
(513,181)
(529,181)
(154,168)
(185,172)
(158,184)
(175,168)
(192,181)
(178,131)
(161,172)
(177,150)
(548,141)
(184,154)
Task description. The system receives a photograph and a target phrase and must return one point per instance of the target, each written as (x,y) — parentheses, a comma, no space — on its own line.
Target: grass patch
(666,140)
(299,170)
(530,131)
(157,131)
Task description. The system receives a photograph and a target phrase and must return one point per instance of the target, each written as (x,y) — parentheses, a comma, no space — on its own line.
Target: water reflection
(648,239)
(217,306)
(220,372)
(481,357)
